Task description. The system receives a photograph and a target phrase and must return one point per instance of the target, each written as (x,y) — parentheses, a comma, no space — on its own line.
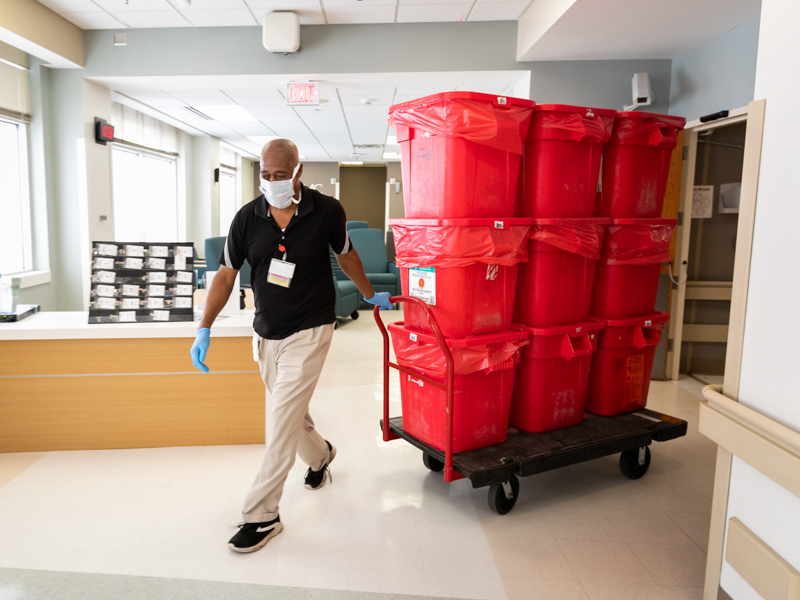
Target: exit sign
(303,94)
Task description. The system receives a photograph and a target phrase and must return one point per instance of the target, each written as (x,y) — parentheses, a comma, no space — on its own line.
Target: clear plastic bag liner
(426,357)
(499,127)
(583,240)
(459,246)
(548,124)
(637,244)
(662,129)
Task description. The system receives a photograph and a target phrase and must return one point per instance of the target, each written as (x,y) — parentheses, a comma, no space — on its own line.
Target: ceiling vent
(281,34)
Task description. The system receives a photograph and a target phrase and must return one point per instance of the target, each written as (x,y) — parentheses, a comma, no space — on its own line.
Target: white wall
(718,75)
(771,351)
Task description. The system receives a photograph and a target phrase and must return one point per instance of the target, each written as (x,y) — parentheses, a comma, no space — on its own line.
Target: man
(284,234)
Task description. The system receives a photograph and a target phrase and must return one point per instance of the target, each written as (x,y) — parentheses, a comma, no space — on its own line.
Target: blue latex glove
(381,299)
(200,347)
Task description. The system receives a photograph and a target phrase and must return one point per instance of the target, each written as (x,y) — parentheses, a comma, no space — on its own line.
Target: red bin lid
(667,120)
(643,222)
(519,332)
(570,330)
(570,222)
(495,223)
(656,318)
(491,98)
(605,112)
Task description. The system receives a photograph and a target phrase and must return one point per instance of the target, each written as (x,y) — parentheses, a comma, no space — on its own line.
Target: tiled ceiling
(141,14)
(351,123)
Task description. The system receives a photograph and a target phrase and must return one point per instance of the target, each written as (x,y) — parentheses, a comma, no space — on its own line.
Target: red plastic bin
(555,284)
(620,376)
(461,153)
(484,369)
(464,269)
(627,276)
(551,380)
(636,164)
(562,160)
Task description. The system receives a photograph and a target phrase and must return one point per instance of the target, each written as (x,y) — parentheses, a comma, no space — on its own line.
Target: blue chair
(371,247)
(347,298)
(357,225)
(214,248)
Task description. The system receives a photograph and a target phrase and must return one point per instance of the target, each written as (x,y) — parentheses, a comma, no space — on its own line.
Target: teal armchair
(371,247)
(214,248)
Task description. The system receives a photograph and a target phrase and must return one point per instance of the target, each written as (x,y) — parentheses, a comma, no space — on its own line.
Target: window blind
(139,129)
(15,100)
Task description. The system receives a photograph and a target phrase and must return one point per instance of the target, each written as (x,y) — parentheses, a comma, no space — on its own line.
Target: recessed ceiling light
(261,139)
(352,162)
(391,156)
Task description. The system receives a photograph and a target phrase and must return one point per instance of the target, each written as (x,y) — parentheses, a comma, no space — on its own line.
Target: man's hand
(381,299)
(200,348)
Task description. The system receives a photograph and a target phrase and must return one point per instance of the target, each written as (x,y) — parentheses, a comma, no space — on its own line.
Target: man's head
(279,158)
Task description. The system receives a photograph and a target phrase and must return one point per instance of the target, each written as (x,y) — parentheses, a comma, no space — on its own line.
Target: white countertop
(75,326)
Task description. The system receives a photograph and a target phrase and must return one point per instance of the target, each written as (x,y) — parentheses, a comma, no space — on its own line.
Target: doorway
(718,196)
(712,249)
(362,192)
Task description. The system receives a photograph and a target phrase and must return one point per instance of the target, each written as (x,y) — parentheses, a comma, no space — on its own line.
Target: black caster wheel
(503,496)
(433,464)
(634,463)
(355,315)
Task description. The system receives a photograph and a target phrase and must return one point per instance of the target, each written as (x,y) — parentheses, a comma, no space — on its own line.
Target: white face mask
(280,193)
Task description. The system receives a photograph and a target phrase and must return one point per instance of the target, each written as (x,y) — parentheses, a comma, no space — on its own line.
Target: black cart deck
(524,454)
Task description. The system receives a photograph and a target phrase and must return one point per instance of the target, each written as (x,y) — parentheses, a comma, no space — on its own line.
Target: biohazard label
(634,381)
(422,284)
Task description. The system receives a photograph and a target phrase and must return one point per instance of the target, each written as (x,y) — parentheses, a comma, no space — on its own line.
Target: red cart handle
(449,473)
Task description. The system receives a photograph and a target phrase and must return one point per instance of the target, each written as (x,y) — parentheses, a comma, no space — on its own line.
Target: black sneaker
(316,479)
(254,536)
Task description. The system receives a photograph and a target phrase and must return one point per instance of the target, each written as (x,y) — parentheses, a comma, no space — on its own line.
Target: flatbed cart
(524,454)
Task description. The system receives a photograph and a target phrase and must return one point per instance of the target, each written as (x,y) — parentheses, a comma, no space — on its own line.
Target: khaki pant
(290,369)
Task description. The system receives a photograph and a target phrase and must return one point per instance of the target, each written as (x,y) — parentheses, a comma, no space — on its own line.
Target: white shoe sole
(325,477)
(262,543)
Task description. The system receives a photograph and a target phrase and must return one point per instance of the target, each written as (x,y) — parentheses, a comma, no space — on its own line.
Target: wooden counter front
(90,394)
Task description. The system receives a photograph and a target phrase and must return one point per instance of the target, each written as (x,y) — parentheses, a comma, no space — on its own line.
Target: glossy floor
(384,526)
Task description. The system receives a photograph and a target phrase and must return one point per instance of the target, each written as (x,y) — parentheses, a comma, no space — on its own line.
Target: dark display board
(142,282)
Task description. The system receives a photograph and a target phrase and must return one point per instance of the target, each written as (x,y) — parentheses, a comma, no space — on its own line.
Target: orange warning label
(634,380)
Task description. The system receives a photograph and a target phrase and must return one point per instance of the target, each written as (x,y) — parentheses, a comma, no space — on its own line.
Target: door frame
(684,229)
(733,360)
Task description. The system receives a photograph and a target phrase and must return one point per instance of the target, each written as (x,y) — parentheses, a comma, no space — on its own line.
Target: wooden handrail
(786,438)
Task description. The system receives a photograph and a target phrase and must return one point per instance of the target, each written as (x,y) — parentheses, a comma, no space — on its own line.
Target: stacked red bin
(635,169)
(458,250)
(561,167)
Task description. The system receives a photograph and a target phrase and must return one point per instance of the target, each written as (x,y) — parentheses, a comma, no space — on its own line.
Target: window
(227,199)
(15,247)
(144,176)
(145,188)
(227,189)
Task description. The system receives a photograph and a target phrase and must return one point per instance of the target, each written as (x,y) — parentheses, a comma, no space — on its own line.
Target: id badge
(281,272)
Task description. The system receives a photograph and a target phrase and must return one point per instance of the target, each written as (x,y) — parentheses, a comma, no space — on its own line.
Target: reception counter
(68,385)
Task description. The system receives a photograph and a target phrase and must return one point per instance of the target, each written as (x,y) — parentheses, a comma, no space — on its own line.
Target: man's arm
(351,265)
(217,297)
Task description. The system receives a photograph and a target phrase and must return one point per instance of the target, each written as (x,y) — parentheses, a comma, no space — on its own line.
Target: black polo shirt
(254,235)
